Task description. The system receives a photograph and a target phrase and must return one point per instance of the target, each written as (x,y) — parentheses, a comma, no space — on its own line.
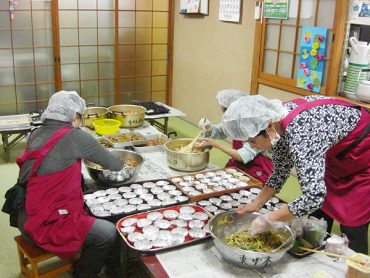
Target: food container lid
(197,233)
(136,201)
(143,222)
(129,208)
(129,222)
(155,203)
(170,214)
(196,224)
(143,244)
(187,209)
(143,207)
(127,230)
(179,223)
(162,223)
(180,230)
(200,216)
(124,189)
(154,215)
(135,236)
(149,184)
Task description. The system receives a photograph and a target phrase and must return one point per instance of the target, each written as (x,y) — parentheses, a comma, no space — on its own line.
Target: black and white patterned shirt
(304,145)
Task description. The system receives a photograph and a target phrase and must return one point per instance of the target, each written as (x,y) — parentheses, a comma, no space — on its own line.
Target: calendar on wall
(229,10)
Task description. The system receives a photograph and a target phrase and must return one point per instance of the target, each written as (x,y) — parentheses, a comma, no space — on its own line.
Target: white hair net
(228,96)
(249,115)
(63,106)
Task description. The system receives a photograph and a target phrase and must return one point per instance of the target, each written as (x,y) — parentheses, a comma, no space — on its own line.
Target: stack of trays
(113,203)
(164,228)
(216,205)
(213,183)
(125,139)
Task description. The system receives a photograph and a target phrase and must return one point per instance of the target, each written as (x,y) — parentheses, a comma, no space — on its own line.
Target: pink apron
(56,219)
(260,167)
(347,176)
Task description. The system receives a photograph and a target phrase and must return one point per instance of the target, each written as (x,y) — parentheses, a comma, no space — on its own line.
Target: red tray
(188,239)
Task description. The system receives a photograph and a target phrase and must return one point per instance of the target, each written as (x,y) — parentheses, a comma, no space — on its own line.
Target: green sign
(276,9)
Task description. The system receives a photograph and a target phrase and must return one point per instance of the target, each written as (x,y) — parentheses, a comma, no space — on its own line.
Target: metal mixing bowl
(228,223)
(129,115)
(112,178)
(189,162)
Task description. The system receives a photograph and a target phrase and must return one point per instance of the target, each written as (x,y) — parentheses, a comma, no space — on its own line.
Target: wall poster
(311,58)
(276,9)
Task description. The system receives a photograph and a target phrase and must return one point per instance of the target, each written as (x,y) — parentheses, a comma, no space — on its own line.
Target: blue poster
(311,58)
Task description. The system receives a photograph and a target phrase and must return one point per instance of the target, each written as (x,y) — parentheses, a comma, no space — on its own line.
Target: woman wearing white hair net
(242,155)
(52,214)
(328,142)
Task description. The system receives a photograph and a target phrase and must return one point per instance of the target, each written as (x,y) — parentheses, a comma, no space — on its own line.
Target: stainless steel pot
(112,178)
(229,222)
(189,162)
(93,113)
(129,115)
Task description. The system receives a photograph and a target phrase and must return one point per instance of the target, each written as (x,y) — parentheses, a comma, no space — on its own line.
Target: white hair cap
(249,115)
(228,96)
(63,106)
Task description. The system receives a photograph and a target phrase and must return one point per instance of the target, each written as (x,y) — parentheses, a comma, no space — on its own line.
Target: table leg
(5,138)
(165,125)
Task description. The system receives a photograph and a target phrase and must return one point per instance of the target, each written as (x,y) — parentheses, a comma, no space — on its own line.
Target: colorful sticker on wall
(311,58)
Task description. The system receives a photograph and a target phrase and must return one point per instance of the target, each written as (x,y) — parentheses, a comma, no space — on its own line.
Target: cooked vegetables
(265,242)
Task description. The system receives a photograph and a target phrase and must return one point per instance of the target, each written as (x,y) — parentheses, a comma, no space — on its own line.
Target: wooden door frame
(117,89)
(259,77)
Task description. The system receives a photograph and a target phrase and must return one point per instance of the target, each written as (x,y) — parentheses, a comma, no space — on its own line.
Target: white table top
(155,164)
(173,113)
(203,260)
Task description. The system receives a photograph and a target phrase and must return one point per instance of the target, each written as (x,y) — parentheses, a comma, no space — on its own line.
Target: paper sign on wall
(229,10)
(311,58)
(276,9)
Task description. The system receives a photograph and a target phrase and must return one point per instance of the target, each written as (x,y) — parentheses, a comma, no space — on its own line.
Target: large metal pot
(93,113)
(129,115)
(230,222)
(189,162)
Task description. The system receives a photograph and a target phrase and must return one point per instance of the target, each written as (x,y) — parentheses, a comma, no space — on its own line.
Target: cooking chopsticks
(189,146)
(361,262)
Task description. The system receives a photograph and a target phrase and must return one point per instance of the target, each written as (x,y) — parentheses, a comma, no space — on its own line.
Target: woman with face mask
(327,140)
(242,155)
(51,211)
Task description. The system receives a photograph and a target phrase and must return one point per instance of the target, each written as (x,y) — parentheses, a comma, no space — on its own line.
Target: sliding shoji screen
(26,57)
(143,49)
(277,45)
(87,43)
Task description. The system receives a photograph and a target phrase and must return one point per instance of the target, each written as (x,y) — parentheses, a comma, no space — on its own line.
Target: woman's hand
(249,208)
(206,142)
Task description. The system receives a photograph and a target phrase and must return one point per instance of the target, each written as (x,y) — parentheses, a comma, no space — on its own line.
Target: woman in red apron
(241,155)
(328,142)
(54,217)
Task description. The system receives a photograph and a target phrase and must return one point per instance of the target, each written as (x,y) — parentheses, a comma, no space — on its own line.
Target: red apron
(347,174)
(56,219)
(260,167)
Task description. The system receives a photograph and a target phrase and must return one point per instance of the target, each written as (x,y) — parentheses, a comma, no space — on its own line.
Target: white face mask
(275,140)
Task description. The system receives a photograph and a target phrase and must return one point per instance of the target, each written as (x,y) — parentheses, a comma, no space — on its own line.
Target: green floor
(9,267)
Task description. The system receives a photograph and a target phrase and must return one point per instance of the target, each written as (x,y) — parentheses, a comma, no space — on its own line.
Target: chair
(31,254)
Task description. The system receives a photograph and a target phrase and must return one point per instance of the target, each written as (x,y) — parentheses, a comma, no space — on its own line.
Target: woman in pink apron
(54,217)
(241,154)
(328,142)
